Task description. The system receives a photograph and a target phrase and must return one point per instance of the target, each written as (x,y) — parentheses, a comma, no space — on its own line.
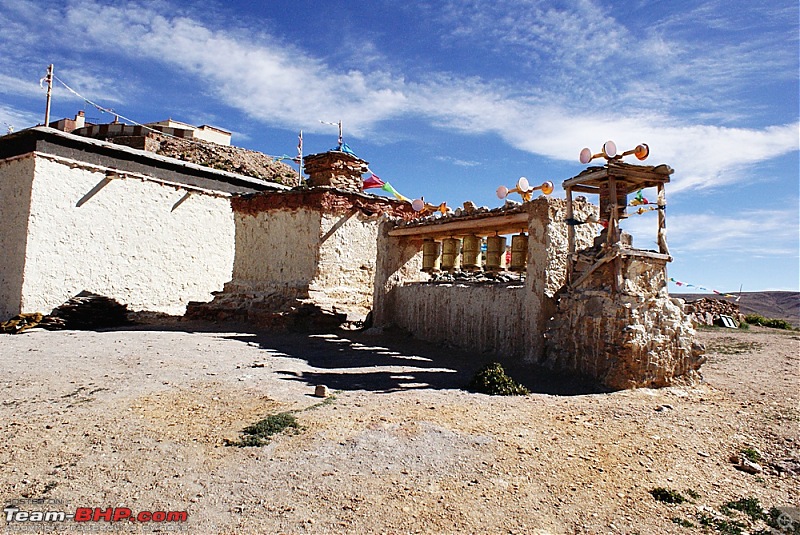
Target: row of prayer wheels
(452,254)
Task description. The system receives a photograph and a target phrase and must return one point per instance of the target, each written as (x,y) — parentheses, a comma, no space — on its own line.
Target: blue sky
(450,99)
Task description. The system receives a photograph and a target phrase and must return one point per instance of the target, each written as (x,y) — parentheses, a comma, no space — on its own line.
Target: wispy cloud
(283,85)
(16,119)
(751,233)
(458,162)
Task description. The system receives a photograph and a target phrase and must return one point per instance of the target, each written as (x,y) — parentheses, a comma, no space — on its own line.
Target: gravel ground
(140,418)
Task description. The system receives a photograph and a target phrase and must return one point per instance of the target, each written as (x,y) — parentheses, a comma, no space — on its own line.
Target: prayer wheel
(471,253)
(431,256)
(519,252)
(495,252)
(451,248)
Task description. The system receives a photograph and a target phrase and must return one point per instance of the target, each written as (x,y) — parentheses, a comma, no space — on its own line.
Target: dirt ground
(139,418)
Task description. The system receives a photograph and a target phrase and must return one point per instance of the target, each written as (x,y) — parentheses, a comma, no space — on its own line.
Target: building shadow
(355,360)
(391,362)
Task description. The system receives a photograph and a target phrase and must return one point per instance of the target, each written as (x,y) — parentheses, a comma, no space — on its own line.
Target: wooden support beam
(570,235)
(662,221)
(594,268)
(485,226)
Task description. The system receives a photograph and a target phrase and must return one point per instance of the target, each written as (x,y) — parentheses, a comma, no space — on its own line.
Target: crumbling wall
(485,318)
(636,337)
(346,268)
(16,179)
(277,249)
(149,245)
(506,319)
(302,254)
(707,310)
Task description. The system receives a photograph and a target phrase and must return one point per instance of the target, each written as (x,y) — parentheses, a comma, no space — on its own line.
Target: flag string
(689,285)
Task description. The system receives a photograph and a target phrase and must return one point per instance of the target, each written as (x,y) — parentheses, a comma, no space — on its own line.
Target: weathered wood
(613,216)
(570,235)
(611,256)
(593,190)
(485,226)
(662,221)
(624,251)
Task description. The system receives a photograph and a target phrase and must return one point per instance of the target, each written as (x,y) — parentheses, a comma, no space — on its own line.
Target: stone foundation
(635,337)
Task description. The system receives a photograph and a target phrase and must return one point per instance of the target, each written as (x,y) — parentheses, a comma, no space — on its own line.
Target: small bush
(751,455)
(492,380)
(260,432)
(681,522)
(667,496)
(758,319)
(727,527)
(693,493)
(748,506)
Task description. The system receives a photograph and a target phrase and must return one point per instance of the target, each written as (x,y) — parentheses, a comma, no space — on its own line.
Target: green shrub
(751,455)
(667,496)
(259,433)
(758,319)
(748,506)
(492,380)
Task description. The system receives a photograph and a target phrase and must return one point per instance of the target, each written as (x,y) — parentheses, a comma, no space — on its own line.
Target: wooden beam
(594,268)
(594,190)
(570,235)
(485,226)
(662,221)
(624,251)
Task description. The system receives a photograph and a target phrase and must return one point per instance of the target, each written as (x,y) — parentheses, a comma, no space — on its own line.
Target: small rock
(749,467)
(703,454)
(321,391)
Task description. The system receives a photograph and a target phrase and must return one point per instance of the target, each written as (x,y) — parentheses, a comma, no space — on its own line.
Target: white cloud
(751,233)
(17,119)
(282,85)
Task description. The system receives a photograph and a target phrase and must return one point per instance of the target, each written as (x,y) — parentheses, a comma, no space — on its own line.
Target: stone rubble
(706,311)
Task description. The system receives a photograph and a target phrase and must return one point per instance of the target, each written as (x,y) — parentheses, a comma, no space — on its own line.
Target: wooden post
(612,219)
(662,220)
(570,236)
(49,94)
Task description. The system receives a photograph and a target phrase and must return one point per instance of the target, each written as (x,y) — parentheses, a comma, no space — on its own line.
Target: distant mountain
(778,305)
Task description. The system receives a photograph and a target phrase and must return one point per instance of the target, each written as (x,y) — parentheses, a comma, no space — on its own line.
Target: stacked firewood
(85,311)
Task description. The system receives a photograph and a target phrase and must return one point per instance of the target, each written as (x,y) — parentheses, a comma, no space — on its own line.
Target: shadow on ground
(390,362)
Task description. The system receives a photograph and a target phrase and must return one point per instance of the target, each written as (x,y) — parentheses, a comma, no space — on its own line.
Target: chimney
(336,169)
(80,120)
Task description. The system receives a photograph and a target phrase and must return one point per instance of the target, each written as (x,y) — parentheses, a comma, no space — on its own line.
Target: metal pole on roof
(300,157)
(341,138)
(49,94)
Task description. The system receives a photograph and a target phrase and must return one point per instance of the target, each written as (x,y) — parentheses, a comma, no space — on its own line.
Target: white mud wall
(150,245)
(16,177)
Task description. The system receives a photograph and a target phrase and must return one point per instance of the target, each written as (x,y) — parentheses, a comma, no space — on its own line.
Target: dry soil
(140,417)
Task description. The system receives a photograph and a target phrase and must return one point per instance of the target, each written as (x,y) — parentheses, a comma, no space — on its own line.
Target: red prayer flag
(373,181)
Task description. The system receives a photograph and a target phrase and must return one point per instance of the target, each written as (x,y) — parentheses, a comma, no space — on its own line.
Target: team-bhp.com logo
(14,515)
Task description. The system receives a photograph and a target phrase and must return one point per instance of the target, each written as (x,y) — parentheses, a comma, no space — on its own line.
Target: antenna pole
(49,94)
(341,138)
(300,157)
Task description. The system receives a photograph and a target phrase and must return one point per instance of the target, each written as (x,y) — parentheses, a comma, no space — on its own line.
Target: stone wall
(149,245)
(300,253)
(335,169)
(506,319)
(635,337)
(16,179)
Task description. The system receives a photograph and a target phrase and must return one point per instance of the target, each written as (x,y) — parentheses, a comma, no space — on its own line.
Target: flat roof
(98,152)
